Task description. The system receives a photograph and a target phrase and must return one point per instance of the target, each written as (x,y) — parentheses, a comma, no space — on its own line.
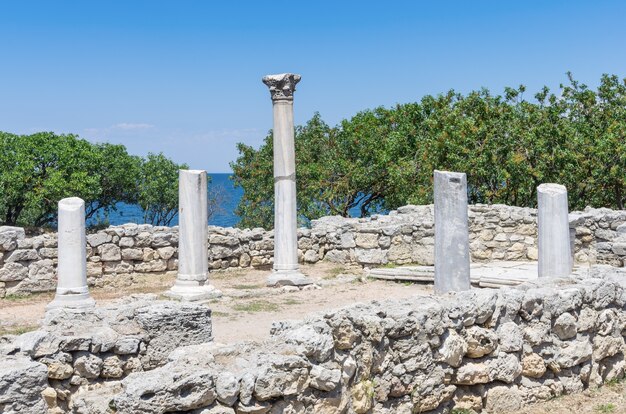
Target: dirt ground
(248,308)
(610,398)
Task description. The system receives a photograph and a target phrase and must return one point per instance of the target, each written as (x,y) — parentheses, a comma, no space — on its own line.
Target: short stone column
(286,268)
(193,262)
(555,254)
(452,260)
(72,290)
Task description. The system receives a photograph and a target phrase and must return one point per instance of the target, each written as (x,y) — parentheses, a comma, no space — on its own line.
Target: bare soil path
(247,309)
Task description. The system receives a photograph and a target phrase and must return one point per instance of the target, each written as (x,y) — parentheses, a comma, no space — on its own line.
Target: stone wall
(75,349)
(497,232)
(485,349)
(495,350)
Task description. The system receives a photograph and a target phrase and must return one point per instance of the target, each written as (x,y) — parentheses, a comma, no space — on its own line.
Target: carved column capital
(282,86)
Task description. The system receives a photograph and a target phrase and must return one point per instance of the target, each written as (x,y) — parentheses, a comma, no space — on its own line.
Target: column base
(72,301)
(192,291)
(288,278)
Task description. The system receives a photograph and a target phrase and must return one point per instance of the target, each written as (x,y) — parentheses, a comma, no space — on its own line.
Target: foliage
(38,170)
(384,158)
(158,189)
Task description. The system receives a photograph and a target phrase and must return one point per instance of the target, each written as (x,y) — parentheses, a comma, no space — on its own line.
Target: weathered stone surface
(109,252)
(13,271)
(88,365)
(453,349)
(22,382)
(565,326)
(324,379)
(533,366)
(282,376)
(503,400)
(480,341)
(227,388)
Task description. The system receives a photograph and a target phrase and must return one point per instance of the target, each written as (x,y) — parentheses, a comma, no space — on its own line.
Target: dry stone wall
(497,232)
(483,350)
(75,349)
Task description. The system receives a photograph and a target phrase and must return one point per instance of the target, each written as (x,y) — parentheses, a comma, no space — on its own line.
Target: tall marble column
(555,254)
(193,264)
(72,291)
(286,268)
(452,260)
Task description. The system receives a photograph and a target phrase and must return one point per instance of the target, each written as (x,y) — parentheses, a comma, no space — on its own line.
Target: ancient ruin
(286,271)
(72,290)
(493,337)
(555,255)
(193,268)
(452,256)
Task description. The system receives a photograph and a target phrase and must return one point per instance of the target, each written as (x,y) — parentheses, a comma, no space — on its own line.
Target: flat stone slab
(492,274)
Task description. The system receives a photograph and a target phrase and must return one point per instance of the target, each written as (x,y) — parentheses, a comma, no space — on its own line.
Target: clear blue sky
(184,77)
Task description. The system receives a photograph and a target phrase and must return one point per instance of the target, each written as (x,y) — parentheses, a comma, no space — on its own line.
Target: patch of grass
(462,411)
(19,297)
(256,306)
(247,287)
(614,382)
(334,272)
(219,314)
(291,301)
(18,330)
(605,408)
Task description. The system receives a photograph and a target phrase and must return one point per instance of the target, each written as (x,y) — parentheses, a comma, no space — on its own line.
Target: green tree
(384,158)
(158,189)
(38,170)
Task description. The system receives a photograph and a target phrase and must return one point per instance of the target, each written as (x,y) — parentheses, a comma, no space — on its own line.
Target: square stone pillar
(72,291)
(555,253)
(286,268)
(452,259)
(192,282)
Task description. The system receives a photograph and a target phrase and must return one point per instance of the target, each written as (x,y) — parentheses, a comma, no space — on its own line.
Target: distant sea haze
(225,217)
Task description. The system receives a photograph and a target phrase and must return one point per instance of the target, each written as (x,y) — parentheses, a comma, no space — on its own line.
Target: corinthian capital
(282,86)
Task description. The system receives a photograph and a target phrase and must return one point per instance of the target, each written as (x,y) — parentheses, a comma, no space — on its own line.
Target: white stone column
(286,268)
(193,262)
(555,254)
(452,260)
(72,290)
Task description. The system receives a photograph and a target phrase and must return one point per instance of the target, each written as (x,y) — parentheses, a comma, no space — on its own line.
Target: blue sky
(184,77)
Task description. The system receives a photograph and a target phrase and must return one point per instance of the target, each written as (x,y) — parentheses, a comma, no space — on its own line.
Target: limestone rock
(227,388)
(480,341)
(180,388)
(22,382)
(88,365)
(511,337)
(503,400)
(565,326)
(281,376)
(324,379)
(109,252)
(533,366)
(362,394)
(453,349)
(472,373)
